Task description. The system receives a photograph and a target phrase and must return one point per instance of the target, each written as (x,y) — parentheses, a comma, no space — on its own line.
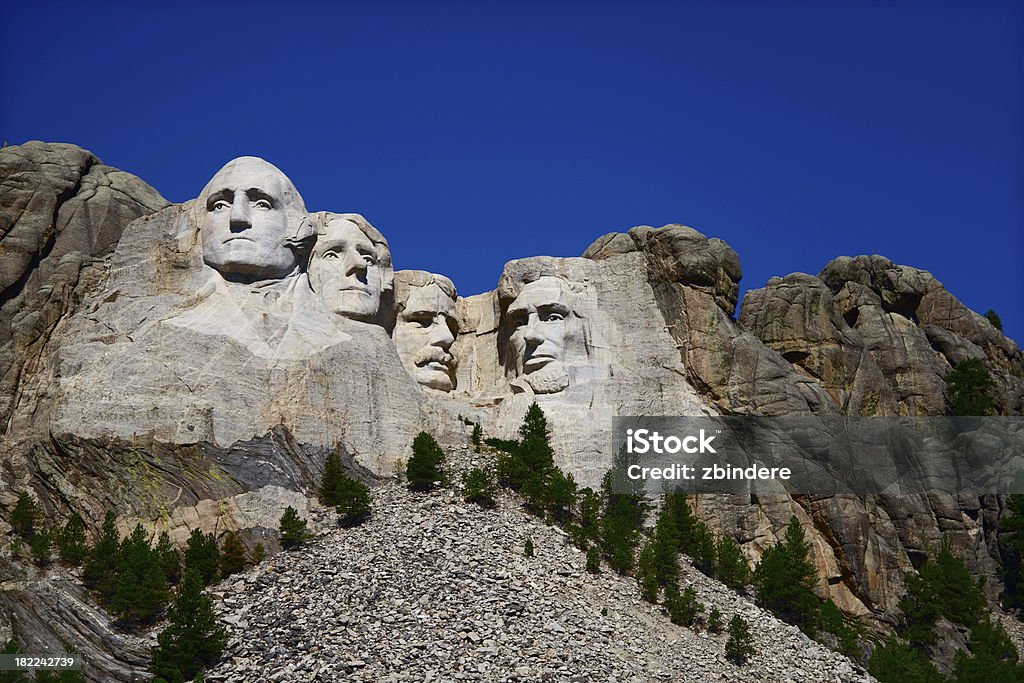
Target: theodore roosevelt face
(246,213)
(345,270)
(538,320)
(424,332)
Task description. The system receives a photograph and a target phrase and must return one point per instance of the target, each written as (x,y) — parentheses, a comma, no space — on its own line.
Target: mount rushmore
(191,365)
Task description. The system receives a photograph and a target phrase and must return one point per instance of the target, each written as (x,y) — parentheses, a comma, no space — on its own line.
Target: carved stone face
(344,270)
(539,319)
(424,333)
(246,214)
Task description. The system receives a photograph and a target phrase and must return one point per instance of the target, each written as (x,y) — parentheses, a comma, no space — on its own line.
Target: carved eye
(421,321)
(553,316)
(328,255)
(220,205)
(518,320)
(369,259)
(262,204)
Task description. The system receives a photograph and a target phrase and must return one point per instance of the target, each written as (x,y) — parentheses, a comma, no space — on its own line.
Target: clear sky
(473,133)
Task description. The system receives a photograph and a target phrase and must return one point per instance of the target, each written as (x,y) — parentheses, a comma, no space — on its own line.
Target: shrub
(425,466)
(258,553)
(740,644)
(293,529)
(683,607)
(202,555)
(785,579)
(969,386)
(71,543)
(232,556)
(528,548)
(193,639)
(715,621)
(478,487)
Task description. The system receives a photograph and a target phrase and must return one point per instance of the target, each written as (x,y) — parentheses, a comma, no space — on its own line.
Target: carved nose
(441,335)
(532,333)
(240,214)
(355,264)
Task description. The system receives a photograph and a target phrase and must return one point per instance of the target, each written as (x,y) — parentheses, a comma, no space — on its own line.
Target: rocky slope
(433,588)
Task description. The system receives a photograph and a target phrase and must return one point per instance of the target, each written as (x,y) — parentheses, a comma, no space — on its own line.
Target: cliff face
(162,360)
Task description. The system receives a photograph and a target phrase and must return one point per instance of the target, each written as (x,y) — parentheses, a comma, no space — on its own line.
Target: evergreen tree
(621,523)
(478,487)
(1011,541)
(684,520)
(993,657)
(12,676)
(193,639)
(682,607)
(41,547)
(646,574)
(528,548)
(24,516)
(993,318)
(104,561)
(785,579)
(71,542)
(740,644)
(730,566)
(920,611)
(353,501)
(593,560)
(169,558)
(590,514)
(330,480)
(702,547)
(232,555)
(140,588)
(832,620)
(665,547)
(943,586)
(477,436)
(258,553)
(970,386)
(561,495)
(535,493)
(897,662)
(535,425)
(425,467)
(202,555)
(293,529)
(715,623)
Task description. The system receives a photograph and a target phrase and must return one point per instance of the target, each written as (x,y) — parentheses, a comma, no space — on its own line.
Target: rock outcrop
(192,365)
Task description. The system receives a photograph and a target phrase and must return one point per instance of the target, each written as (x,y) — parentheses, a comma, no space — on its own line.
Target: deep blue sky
(474,133)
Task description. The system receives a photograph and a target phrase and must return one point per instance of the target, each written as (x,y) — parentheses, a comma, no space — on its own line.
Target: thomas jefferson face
(538,320)
(345,271)
(245,215)
(424,333)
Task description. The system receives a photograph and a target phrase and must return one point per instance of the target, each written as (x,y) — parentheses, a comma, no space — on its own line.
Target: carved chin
(549,379)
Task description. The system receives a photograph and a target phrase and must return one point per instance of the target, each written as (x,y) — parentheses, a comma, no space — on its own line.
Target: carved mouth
(236,238)
(436,365)
(537,361)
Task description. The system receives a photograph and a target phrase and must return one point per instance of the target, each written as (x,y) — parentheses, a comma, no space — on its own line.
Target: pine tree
(169,558)
(561,495)
(702,548)
(528,548)
(621,523)
(535,425)
(40,548)
(104,561)
(740,644)
(715,621)
(24,516)
(140,589)
(193,639)
(232,555)
(593,560)
(785,579)
(13,676)
(71,542)
(993,657)
(665,544)
(293,529)
(646,575)
(993,318)
(478,487)
(832,620)
(425,467)
(943,586)
(731,567)
(331,479)
(897,662)
(590,514)
(682,607)
(202,555)
(684,520)
(353,501)
(258,553)
(970,386)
